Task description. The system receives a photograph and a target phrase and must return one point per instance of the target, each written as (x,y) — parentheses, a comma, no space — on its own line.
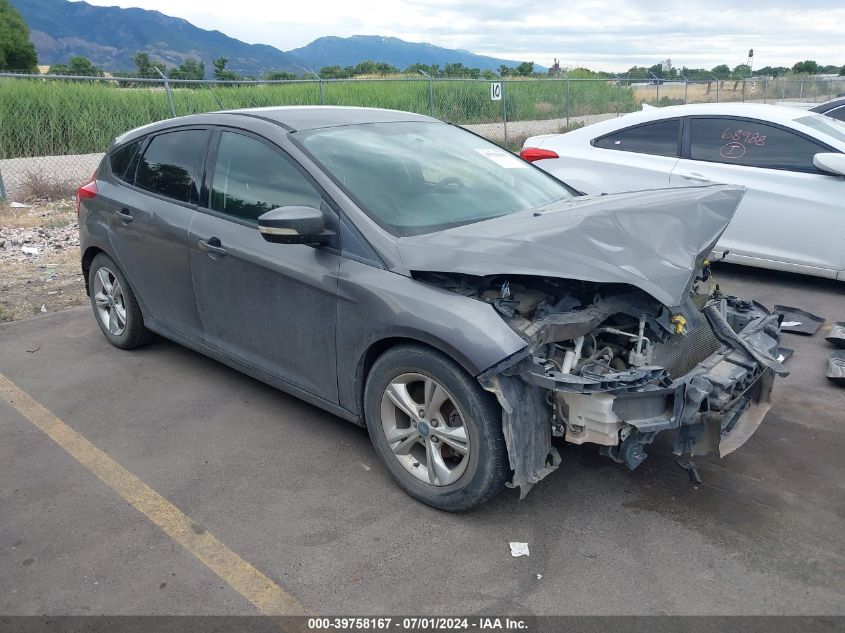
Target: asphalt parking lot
(299,495)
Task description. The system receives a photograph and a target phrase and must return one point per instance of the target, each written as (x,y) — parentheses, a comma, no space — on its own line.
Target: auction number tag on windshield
(502,158)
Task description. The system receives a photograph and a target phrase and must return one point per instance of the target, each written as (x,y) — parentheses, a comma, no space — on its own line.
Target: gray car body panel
(380,301)
(360,292)
(652,240)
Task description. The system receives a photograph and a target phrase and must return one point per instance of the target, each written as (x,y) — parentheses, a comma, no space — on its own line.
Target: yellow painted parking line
(267,596)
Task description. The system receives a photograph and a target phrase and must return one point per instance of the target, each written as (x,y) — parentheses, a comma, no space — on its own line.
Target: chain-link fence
(53,129)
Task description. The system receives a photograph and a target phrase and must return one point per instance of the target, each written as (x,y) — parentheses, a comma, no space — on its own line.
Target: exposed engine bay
(610,365)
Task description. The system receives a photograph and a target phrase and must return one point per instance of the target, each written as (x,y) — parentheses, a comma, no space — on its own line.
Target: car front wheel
(436,429)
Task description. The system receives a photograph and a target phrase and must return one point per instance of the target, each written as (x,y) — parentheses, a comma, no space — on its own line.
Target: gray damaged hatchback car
(412,277)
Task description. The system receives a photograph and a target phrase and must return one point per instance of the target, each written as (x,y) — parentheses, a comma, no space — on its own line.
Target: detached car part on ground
(462,304)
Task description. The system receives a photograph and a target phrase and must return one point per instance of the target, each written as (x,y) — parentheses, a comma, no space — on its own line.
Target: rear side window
(121,159)
(171,163)
(752,144)
(251,178)
(659,138)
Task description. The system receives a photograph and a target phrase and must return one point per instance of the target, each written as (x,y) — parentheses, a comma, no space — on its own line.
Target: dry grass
(38,186)
(54,216)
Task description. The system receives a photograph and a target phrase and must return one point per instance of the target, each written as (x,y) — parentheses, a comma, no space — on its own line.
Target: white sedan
(791,161)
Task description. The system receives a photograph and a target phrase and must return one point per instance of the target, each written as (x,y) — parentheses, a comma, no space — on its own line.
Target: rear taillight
(532,154)
(85,192)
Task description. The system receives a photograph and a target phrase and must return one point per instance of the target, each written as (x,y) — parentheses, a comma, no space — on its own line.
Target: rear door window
(251,178)
(752,144)
(171,164)
(659,139)
(121,159)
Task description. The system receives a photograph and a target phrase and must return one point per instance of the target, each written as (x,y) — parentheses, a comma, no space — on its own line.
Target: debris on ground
(519,549)
(837,334)
(784,353)
(836,367)
(39,259)
(798,321)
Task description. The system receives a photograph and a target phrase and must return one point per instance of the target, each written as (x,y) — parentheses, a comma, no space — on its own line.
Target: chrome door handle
(212,246)
(125,216)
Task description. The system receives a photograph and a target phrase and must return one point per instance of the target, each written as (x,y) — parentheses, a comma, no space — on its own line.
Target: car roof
(829,105)
(788,117)
(292,118)
(766,112)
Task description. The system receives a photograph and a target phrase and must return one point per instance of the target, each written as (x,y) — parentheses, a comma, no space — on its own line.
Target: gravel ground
(39,259)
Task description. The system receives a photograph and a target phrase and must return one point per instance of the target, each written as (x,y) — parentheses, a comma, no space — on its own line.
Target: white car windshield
(420,177)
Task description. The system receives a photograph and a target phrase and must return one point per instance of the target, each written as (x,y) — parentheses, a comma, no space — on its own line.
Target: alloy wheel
(110,302)
(424,429)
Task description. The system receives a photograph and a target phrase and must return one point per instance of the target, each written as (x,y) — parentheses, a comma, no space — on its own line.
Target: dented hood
(649,239)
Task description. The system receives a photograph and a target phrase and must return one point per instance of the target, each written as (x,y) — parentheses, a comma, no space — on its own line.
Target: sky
(597,34)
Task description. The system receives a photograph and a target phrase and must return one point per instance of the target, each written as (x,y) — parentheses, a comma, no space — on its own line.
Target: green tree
(742,70)
(505,70)
(772,71)
(220,71)
(722,71)
(146,69)
(188,69)
(335,72)
(429,69)
(635,72)
(808,67)
(276,75)
(842,72)
(16,51)
(78,66)
(525,69)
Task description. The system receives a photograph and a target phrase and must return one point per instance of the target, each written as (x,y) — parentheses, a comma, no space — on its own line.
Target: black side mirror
(292,225)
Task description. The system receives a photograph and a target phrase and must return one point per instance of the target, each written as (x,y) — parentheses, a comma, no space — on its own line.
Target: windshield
(420,177)
(825,124)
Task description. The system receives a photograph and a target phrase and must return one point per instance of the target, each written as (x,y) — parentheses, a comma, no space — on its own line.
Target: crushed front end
(608,364)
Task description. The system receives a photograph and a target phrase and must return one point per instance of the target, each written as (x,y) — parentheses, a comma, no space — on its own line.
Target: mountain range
(111,36)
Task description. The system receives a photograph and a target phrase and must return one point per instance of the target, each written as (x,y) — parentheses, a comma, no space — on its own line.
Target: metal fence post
(430,94)
(618,93)
(505,113)
(167,90)
(2,188)
(829,89)
(801,90)
(718,81)
(743,90)
(686,88)
(568,100)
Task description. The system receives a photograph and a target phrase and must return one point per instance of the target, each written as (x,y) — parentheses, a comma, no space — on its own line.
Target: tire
(457,480)
(117,311)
